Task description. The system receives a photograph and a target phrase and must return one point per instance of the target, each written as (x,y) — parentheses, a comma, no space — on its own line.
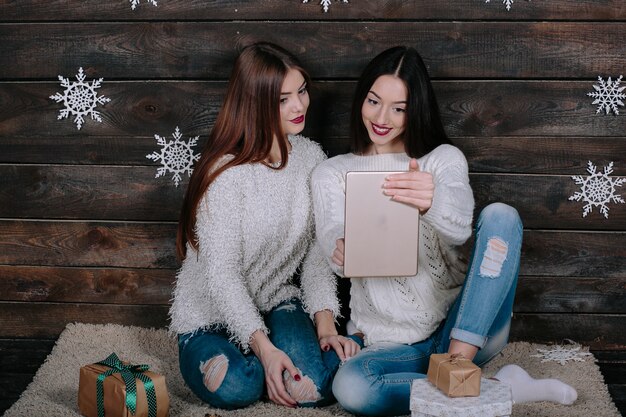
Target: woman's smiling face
(384,115)
(294,102)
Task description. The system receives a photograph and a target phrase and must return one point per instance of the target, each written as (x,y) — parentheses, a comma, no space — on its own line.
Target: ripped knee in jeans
(303,391)
(493,258)
(287,307)
(214,372)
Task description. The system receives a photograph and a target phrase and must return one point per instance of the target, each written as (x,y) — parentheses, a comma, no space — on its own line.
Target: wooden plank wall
(87,232)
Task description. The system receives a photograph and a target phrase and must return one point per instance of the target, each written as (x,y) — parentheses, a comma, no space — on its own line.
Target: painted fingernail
(326,348)
(297,377)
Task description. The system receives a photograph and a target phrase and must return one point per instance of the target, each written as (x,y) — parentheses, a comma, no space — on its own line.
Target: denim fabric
(291,330)
(377,382)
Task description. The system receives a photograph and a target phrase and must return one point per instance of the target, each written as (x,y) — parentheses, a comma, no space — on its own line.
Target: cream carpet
(54,389)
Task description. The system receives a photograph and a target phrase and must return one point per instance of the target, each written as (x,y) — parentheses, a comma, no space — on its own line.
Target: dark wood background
(87,232)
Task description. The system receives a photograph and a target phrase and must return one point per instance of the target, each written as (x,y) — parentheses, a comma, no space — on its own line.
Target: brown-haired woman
(245,230)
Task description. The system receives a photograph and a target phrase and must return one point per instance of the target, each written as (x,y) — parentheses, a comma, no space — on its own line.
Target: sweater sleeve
(220,239)
(328,189)
(453,202)
(319,285)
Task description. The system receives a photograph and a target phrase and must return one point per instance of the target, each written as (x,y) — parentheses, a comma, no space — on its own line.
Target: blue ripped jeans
(377,382)
(203,355)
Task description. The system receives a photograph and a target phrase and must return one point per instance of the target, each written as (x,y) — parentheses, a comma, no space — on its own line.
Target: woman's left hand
(414,187)
(344,346)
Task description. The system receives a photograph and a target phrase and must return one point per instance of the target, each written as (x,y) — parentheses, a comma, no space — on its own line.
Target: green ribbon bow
(129,373)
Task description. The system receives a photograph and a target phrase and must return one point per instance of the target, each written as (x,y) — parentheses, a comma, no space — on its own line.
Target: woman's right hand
(338,252)
(274,362)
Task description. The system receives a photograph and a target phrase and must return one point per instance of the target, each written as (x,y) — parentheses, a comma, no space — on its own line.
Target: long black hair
(423,129)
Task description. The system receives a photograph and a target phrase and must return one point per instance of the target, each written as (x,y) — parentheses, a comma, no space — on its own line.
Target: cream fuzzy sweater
(255,230)
(403,310)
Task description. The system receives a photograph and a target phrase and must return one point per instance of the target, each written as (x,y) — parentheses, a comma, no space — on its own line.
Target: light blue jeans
(203,355)
(377,382)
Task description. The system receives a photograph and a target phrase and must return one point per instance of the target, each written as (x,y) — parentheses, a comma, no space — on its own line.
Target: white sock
(527,389)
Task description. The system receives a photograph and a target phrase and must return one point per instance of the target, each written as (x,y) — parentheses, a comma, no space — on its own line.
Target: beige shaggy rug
(54,389)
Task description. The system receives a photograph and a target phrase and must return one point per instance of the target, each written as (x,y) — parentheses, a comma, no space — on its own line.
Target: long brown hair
(245,127)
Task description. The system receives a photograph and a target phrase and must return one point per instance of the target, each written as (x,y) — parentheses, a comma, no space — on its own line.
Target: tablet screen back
(381,235)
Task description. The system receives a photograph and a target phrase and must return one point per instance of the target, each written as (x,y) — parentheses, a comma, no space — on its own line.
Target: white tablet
(381,235)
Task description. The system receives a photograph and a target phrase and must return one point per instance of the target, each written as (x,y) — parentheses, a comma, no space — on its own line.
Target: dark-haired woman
(244,326)
(396,126)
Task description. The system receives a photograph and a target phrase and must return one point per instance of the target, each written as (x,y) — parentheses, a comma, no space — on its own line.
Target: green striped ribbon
(129,373)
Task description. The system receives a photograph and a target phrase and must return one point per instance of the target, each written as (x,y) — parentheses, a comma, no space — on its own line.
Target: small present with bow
(454,375)
(120,389)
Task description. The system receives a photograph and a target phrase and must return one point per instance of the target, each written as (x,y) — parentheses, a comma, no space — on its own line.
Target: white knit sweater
(403,310)
(254,228)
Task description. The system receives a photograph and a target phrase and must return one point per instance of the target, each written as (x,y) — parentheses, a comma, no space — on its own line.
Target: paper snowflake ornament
(176,156)
(597,189)
(135,3)
(325,4)
(561,354)
(79,98)
(608,95)
(507,3)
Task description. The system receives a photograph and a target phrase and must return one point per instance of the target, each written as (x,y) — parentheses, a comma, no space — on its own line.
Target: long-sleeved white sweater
(255,229)
(403,309)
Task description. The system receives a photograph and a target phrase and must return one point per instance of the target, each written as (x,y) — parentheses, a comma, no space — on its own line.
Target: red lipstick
(297,120)
(380,130)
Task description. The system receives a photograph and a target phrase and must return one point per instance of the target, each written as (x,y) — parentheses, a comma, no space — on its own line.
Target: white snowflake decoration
(608,95)
(135,3)
(325,4)
(80,99)
(176,156)
(561,354)
(597,189)
(507,3)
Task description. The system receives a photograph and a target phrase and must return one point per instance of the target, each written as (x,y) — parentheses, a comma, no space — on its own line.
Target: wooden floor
(20,359)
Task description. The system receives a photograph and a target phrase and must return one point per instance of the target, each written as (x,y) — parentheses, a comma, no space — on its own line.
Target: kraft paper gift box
(494,401)
(455,375)
(125,390)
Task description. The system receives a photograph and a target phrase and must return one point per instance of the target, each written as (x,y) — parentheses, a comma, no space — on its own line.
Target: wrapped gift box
(428,401)
(454,375)
(150,402)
